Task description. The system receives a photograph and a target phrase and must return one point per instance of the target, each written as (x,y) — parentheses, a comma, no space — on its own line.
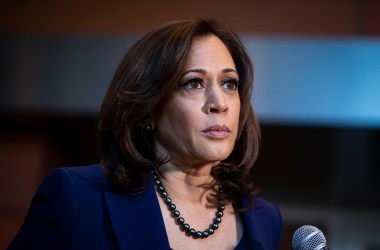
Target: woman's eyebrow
(229,70)
(202,71)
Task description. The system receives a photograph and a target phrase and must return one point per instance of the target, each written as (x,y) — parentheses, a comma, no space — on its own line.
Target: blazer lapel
(252,220)
(137,220)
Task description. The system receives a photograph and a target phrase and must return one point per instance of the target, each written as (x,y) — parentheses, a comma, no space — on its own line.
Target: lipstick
(217,131)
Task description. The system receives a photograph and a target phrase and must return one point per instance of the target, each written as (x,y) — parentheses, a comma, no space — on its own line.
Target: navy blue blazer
(74,208)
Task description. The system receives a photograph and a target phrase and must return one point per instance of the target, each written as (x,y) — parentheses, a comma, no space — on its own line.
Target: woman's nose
(216,100)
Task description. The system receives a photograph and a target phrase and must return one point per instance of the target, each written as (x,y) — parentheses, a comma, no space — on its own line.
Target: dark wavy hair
(151,70)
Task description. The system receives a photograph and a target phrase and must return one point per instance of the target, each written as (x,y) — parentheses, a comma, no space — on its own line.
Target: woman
(179,139)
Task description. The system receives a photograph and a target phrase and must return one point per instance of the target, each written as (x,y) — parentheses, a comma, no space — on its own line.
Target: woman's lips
(217,131)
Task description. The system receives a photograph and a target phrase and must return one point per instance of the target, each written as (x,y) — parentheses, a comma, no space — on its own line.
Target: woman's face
(198,123)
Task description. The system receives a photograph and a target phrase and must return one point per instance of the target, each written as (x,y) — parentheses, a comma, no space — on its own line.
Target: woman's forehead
(209,52)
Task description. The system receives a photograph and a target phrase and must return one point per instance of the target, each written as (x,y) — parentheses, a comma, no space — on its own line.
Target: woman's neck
(186,183)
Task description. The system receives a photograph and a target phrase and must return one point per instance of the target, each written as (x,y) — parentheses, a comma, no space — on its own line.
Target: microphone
(309,238)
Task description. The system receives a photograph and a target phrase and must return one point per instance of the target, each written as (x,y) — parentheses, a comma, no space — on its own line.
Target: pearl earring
(148,127)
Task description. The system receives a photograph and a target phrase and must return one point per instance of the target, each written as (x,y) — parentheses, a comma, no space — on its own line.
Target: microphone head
(309,238)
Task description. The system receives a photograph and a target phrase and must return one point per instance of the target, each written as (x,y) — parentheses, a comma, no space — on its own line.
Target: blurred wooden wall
(312,17)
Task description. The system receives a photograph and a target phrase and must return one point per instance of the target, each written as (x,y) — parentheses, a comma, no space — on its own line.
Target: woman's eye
(231,84)
(195,83)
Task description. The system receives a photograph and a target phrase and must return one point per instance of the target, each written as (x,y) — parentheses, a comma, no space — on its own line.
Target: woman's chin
(214,157)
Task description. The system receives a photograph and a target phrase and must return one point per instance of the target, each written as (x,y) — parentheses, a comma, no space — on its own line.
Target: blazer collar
(251,220)
(137,220)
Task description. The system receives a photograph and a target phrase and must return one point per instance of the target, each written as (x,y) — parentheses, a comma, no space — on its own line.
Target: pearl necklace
(180,221)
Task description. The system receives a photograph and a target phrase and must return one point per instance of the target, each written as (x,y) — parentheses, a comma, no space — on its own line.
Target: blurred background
(317,95)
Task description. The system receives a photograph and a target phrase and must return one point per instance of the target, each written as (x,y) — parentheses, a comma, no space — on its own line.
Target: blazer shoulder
(60,207)
(86,175)
(89,172)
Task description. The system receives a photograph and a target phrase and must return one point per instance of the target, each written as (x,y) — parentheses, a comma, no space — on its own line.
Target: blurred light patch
(333,82)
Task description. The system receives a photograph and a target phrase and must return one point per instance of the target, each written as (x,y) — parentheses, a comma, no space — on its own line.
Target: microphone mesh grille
(317,241)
